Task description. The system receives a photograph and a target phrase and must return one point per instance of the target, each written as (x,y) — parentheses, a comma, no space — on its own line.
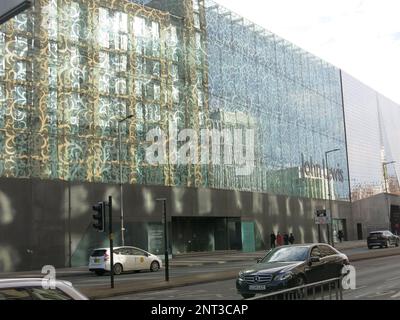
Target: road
(377,279)
(93,280)
(89,279)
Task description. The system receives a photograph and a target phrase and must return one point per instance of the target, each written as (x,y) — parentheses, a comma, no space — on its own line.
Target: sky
(362,37)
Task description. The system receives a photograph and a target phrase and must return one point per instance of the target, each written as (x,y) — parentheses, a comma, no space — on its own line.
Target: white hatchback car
(125,259)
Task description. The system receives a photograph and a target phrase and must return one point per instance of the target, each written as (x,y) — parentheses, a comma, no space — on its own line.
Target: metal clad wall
(373,131)
(390,118)
(363,134)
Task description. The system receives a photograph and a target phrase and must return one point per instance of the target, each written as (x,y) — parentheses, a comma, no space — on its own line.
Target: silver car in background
(33,289)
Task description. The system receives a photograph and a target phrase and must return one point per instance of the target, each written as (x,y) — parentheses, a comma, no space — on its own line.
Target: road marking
(381,294)
(395,278)
(361,287)
(362,295)
(352,290)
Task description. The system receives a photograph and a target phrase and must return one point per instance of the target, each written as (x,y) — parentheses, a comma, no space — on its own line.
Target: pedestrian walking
(279,239)
(286,239)
(273,239)
(340,235)
(291,238)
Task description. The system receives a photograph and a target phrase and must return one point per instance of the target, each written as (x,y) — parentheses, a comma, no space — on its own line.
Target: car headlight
(283,276)
(241,275)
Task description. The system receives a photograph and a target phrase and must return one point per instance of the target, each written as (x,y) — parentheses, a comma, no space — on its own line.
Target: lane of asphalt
(376,279)
(221,290)
(93,280)
(90,279)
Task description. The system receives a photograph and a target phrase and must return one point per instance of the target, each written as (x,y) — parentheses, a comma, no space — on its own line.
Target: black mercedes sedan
(290,266)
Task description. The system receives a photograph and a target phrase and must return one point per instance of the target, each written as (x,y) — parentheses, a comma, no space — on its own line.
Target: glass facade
(69,70)
(293,97)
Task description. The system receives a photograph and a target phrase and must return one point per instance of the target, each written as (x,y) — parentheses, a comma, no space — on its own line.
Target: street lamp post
(330,232)
(166,251)
(385,164)
(120,177)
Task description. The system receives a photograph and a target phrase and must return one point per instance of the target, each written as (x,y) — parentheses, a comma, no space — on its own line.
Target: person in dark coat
(340,235)
(273,239)
(291,238)
(286,239)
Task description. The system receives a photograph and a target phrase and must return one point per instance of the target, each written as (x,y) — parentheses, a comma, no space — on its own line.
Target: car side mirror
(259,260)
(314,260)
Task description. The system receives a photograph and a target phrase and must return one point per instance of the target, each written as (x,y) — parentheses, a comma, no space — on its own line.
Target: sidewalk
(182,260)
(351,244)
(207,258)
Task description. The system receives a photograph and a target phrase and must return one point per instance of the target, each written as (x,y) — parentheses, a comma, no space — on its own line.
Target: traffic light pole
(101,226)
(111,236)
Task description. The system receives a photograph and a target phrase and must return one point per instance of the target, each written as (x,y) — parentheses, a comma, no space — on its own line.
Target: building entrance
(198,234)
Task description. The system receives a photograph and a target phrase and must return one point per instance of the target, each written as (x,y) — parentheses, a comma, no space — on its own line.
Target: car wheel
(397,243)
(99,272)
(369,247)
(247,295)
(155,266)
(118,269)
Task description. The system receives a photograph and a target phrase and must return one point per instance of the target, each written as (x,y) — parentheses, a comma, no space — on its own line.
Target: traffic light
(99,217)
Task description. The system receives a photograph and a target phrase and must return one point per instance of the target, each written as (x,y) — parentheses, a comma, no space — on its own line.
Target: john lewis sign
(313,170)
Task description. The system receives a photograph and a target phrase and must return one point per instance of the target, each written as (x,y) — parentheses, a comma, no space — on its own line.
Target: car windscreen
(98,253)
(286,254)
(375,233)
(49,294)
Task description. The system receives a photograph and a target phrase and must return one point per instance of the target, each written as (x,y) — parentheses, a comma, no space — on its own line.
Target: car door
(333,263)
(388,235)
(393,238)
(147,260)
(315,271)
(127,259)
(140,259)
(120,257)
